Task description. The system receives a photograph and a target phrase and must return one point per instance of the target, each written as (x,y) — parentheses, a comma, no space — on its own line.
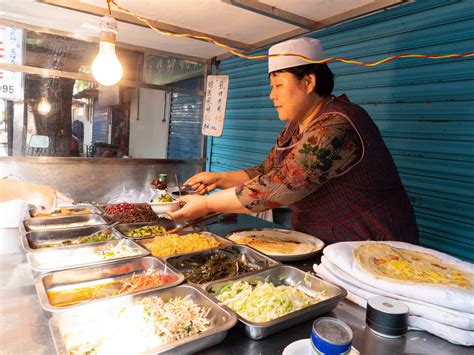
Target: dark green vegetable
(218,266)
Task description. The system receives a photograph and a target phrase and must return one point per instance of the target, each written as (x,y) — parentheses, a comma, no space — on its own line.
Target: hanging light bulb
(44,107)
(106,67)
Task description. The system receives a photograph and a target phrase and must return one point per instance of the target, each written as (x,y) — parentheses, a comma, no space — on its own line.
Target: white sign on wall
(11,52)
(214,105)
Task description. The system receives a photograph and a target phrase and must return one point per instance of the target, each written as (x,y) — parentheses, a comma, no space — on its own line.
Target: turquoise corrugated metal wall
(424,109)
(184,136)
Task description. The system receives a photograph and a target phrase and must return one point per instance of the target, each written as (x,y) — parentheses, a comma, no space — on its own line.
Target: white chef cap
(309,47)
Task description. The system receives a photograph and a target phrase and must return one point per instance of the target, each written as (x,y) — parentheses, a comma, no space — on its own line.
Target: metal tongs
(194,222)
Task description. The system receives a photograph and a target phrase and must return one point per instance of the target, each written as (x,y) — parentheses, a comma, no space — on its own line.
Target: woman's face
(293,98)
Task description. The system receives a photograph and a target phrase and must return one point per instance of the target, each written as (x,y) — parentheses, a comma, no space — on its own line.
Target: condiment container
(387,317)
(330,336)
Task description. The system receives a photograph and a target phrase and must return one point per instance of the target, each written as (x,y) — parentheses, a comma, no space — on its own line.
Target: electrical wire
(108,7)
(322,61)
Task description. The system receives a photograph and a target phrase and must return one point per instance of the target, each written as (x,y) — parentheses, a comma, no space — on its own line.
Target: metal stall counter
(24,325)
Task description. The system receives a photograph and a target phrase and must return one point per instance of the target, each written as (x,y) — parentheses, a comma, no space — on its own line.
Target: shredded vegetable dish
(118,251)
(137,282)
(139,327)
(149,279)
(265,301)
(171,244)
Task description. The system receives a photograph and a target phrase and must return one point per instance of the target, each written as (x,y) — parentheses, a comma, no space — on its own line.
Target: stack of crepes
(437,288)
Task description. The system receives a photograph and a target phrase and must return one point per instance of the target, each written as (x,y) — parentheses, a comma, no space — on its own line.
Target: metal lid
(333,331)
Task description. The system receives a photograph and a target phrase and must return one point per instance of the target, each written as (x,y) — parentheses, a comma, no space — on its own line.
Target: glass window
(66,116)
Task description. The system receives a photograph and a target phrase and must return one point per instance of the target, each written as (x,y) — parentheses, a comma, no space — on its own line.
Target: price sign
(11,52)
(214,105)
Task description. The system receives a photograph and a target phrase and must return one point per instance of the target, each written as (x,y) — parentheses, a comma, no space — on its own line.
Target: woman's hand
(203,182)
(195,207)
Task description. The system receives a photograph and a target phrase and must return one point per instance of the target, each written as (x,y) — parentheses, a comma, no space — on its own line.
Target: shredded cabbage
(265,301)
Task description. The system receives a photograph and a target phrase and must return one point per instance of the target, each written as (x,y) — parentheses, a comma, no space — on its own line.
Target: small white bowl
(164,207)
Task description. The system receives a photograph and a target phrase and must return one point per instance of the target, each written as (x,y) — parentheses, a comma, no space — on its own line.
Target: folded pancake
(273,245)
(408,266)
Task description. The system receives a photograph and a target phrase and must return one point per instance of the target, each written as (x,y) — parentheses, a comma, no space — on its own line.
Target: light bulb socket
(107,37)
(108,24)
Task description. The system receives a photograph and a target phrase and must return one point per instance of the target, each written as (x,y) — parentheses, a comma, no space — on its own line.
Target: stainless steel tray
(288,234)
(94,318)
(33,241)
(222,243)
(33,212)
(91,276)
(286,275)
(185,263)
(109,217)
(44,224)
(63,258)
(167,223)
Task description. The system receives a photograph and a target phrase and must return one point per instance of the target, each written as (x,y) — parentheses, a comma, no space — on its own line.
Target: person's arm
(206,182)
(197,206)
(42,196)
(319,156)
(324,152)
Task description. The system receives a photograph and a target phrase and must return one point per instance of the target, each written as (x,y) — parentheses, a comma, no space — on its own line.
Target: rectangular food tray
(124,228)
(222,243)
(95,315)
(50,223)
(71,257)
(90,276)
(183,263)
(33,212)
(286,275)
(33,241)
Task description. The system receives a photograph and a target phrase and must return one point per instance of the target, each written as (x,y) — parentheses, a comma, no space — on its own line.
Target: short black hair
(324,76)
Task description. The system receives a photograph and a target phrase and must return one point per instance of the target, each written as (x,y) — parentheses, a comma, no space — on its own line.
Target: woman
(329,165)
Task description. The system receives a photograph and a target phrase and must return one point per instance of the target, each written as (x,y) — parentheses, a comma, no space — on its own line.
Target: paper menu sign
(214,105)
(11,52)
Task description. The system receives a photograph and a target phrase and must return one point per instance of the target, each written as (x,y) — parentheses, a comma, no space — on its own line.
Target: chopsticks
(177,184)
(194,222)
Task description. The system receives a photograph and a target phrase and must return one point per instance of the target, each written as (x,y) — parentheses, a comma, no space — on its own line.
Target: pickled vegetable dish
(218,266)
(163,198)
(101,237)
(146,231)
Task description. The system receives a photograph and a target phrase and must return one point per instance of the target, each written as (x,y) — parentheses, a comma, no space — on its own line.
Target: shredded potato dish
(171,244)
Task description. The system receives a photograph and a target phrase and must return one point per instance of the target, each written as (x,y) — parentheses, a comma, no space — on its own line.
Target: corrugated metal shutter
(424,109)
(100,124)
(184,140)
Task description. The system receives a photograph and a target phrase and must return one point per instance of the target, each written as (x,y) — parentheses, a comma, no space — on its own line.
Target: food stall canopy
(241,24)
